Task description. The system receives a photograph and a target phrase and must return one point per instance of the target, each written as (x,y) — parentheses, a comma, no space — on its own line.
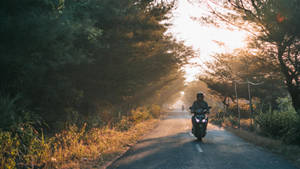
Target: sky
(202,38)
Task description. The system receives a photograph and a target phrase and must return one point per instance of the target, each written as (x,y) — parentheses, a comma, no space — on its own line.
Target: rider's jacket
(197,105)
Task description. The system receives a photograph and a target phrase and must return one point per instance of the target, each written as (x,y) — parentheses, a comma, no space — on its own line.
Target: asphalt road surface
(172,146)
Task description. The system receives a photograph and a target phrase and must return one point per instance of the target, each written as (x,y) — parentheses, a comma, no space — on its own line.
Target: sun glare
(206,40)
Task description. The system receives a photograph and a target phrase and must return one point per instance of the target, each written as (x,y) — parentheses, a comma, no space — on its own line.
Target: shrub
(124,124)
(140,114)
(293,135)
(282,123)
(244,109)
(155,110)
(233,121)
(9,111)
(276,123)
(217,121)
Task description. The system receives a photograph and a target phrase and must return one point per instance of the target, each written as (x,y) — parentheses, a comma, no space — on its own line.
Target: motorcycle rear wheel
(199,138)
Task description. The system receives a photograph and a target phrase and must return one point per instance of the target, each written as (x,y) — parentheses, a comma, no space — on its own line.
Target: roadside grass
(103,145)
(75,147)
(289,152)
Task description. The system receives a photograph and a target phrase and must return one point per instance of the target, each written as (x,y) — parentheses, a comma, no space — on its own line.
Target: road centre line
(199,148)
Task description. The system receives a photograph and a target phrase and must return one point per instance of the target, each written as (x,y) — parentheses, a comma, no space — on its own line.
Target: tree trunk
(226,104)
(293,88)
(295,94)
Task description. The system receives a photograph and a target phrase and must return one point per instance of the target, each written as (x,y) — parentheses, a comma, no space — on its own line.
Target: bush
(13,113)
(217,121)
(124,124)
(233,121)
(276,123)
(283,123)
(293,135)
(244,109)
(9,111)
(140,114)
(155,110)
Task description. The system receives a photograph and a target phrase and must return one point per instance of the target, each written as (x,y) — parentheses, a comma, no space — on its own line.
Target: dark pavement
(172,146)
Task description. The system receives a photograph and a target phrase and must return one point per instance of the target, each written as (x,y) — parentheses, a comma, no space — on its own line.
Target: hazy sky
(201,37)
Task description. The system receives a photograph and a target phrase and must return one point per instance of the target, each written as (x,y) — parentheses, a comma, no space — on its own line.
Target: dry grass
(245,122)
(75,147)
(95,147)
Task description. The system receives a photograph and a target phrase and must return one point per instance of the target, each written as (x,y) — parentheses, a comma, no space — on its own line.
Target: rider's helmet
(199,95)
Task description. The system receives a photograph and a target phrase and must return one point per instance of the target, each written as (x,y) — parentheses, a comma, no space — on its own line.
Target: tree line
(67,60)
(265,74)
(273,45)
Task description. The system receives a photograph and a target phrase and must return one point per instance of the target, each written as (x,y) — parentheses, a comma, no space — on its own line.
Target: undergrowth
(27,147)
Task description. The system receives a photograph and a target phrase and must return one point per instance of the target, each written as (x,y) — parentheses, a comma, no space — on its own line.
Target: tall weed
(9,150)
(26,147)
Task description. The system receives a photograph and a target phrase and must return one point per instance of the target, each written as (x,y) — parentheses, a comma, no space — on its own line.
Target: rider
(198,104)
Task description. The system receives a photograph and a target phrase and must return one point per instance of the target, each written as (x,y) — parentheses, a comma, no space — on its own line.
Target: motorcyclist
(198,104)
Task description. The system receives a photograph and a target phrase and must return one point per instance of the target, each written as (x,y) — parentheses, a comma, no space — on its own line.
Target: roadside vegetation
(277,130)
(74,147)
(259,84)
(282,124)
(82,79)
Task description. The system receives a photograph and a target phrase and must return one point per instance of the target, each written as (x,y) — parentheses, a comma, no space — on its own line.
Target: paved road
(171,146)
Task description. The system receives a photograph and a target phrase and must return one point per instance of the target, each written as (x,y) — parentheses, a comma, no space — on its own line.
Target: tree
(67,58)
(242,66)
(274,25)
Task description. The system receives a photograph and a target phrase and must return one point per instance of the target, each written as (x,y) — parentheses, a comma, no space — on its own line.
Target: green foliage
(241,66)
(71,62)
(65,58)
(293,135)
(282,123)
(13,113)
(9,111)
(274,29)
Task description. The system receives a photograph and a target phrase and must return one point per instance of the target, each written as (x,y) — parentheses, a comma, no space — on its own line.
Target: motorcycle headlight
(204,120)
(197,120)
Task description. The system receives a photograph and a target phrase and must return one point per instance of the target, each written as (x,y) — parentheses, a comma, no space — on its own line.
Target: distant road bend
(172,146)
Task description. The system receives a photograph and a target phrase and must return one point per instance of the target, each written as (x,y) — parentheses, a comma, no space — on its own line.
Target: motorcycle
(200,119)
